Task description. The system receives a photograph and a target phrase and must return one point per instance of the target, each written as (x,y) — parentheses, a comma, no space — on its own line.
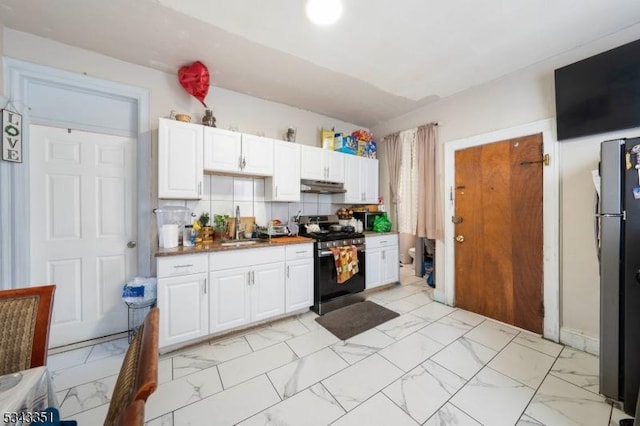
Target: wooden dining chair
(25,318)
(133,415)
(138,377)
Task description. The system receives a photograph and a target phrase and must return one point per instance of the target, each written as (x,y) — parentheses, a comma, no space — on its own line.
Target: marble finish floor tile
(402,326)
(464,357)
(493,398)
(93,416)
(420,298)
(536,342)
(411,351)
(377,411)
(275,333)
(166,420)
(402,306)
(86,373)
(423,390)
(312,341)
(492,334)
(186,390)
(68,359)
(445,330)
(312,407)
(361,346)
(107,349)
(87,396)
(528,421)
(558,402)
(523,364)
(432,311)
(356,384)
(304,372)
(230,406)
(308,319)
(206,356)
(580,368)
(254,364)
(467,317)
(165,370)
(450,415)
(396,292)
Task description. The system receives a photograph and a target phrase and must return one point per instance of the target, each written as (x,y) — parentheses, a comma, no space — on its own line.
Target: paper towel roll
(169,235)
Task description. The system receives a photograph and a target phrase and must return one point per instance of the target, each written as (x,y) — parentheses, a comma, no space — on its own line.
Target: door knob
(131,244)
(460,238)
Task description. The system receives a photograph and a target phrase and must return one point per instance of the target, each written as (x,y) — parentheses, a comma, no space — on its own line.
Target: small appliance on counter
(367,218)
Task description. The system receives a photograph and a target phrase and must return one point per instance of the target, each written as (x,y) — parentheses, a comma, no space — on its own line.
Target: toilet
(412,253)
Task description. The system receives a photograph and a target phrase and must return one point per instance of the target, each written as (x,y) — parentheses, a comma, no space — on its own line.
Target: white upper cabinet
(257,155)
(285,184)
(321,164)
(222,150)
(237,153)
(180,171)
(361,181)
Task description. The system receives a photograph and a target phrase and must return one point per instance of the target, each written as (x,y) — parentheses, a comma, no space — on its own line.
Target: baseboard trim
(438,296)
(579,341)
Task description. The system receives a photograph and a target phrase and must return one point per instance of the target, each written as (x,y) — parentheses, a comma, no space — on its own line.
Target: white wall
(524,97)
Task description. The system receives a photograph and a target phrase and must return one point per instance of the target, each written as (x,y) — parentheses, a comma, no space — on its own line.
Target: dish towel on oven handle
(346,259)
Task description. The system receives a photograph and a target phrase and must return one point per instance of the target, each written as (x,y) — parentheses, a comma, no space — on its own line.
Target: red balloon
(195,80)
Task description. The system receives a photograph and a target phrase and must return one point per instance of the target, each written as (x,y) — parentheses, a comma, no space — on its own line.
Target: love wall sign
(11,136)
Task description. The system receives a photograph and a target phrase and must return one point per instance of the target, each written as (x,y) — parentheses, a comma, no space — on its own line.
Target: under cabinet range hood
(321,187)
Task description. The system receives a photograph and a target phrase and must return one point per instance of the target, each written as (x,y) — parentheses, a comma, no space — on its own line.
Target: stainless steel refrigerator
(619,220)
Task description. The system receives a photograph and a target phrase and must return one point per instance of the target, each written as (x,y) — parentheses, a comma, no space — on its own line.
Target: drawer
(245,258)
(381,241)
(172,266)
(299,251)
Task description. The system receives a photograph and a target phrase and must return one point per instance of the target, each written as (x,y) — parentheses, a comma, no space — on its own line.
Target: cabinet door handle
(288,267)
(249,278)
(199,188)
(244,162)
(205,286)
(184,266)
(276,191)
(384,255)
(253,277)
(240,162)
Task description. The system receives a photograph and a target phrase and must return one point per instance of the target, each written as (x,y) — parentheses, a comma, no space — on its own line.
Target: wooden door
(83,216)
(498,255)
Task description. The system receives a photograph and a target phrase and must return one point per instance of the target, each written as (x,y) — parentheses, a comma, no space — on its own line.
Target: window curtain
(429,223)
(408,185)
(392,158)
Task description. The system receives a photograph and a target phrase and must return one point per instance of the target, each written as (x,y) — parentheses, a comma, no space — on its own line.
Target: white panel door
(257,154)
(184,312)
(229,299)
(353,180)
(334,163)
(390,257)
(180,169)
(267,291)
(299,284)
(222,150)
(373,268)
(83,214)
(370,185)
(311,163)
(285,184)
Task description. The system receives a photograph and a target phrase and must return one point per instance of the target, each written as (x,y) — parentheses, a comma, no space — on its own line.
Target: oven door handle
(327,253)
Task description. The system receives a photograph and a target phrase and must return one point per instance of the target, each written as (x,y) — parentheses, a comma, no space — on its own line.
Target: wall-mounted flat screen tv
(599,94)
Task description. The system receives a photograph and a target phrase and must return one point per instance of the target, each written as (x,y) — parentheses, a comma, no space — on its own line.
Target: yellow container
(328,141)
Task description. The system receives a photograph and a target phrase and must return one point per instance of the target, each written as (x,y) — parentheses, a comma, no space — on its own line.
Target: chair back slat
(25,318)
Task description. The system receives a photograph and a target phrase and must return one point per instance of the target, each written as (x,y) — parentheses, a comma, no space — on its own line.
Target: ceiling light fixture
(323,12)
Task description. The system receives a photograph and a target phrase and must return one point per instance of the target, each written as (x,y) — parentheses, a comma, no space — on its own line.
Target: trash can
(140,296)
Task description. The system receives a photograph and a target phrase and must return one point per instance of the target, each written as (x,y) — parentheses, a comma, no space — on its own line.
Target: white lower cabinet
(382,260)
(299,277)
(182,282)
(246,286)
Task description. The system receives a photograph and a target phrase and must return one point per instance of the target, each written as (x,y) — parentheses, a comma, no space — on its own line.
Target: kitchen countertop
(216,246)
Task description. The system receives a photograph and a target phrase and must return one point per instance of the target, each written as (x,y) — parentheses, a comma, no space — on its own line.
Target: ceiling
(382,59)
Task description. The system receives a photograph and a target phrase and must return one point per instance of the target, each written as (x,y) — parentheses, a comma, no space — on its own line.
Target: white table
(26,391)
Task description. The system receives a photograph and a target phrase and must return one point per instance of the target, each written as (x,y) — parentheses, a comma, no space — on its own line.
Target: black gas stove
(328,293)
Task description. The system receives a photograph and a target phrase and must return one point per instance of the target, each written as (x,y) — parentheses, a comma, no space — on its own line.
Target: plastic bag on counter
(382,223)
(140,290)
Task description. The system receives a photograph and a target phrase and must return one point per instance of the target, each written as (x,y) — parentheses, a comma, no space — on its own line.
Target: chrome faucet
(238,231)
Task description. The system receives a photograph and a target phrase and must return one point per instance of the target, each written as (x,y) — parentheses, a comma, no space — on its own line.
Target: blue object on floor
(427,272)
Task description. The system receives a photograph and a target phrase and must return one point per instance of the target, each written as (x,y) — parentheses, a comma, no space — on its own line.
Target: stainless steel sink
(238,243)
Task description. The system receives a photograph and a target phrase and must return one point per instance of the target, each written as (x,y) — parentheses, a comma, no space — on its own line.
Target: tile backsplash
(223,193)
